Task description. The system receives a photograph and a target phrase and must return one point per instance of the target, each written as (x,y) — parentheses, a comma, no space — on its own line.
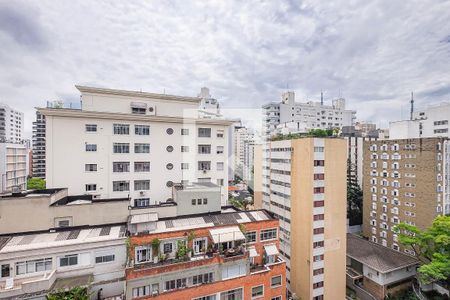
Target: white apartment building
(209,107)
(430,122)
(305,116)
(134,145)
(11,124)
(34,264)
(244,140)
(13,167)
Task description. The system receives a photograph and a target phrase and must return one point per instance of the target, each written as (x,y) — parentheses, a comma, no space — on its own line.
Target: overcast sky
(373,53)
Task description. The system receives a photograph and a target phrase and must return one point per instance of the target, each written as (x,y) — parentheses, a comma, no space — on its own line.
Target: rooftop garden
(310,133)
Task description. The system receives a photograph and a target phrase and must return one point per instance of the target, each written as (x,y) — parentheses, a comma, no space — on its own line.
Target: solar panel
(105,231)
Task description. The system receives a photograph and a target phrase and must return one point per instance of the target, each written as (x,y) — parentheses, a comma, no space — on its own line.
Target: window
(204,165)
(318,244)
(184,131)
(121,129)
(68,260)
(121,186)
(142,202)
(276,298)
(276,281)
(268,234)
(194,201)
(142,253)
(319,217)
(184,166)
(141,148)
(31,266)
(204,132)
(318,257)
(64,223)
(121,167)
(141,291)
(236,294)
(142,166)
(169,131)
(220,166)
(121,148)
(203,278)
(220,133)
(319,149)
(210,297)
(319,203)
(91,147)
(138,110)
(141,185)
(319,190)
(167,248)
(141,130)
(319,163)
(220,182)
(318,271)
(319,176)
(91,128)
(204,149)
(90,167)
(318,285)
(219,149)
(5,272)
(104,258)
(184,148)
(91,187)
(257,291)
(250,237)
(319,230)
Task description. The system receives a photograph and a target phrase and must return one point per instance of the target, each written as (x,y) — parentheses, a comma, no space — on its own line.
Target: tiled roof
(377,257)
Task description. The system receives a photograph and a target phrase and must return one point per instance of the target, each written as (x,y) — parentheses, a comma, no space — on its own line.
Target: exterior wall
(66,138)
(13,166)
(404,129)
(11,125)
(421,176)
(293,203)
(82,214)
(257,183)
(184,198)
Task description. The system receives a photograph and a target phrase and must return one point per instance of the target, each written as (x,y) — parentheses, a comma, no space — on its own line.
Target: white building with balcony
(13,167)
(11,124)
(133,144)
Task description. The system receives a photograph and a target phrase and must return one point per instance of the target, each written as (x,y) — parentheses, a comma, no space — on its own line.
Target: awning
(226,234)
(144,218)
(253,252)
(271,249)
(138,104)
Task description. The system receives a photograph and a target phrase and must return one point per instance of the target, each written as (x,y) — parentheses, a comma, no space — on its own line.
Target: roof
(378,257)
(144,218)
(32,193)
(62,238)
(210,220)
(139,94)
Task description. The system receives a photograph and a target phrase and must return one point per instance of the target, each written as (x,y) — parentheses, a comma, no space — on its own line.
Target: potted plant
(181,251)
(155,247)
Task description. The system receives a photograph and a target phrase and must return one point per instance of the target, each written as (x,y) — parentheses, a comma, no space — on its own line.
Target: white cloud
(247,52)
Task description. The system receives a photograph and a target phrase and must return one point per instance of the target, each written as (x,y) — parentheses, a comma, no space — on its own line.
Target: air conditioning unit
(142,193)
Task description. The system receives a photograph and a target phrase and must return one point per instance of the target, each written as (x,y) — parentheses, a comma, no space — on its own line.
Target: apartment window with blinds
(184,148)
(68,260)
(236,294)
(91,187)
(220,133)
(319,163)
(141,291)
(319,149)
(90,167)
(33,266)
(121,129)
(141,148)
(91,128)
(319,217)
(204,165)
(121,186)
(257,291)
(121,167)
(140,185)
(204,132)
(319,203)
(204,149)
(184,131)
(319,190)
(121,148)
(268,234)
(142,166)
(276,281)
(141,130)
(104,258)
(91,147)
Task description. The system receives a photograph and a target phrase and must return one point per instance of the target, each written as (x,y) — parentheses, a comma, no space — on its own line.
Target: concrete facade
(13,167)
(11,125)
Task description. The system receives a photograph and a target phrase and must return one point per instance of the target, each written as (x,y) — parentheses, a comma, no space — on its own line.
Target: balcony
(14,287)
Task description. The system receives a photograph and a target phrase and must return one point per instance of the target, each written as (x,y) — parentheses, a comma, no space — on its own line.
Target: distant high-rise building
(13,167)
(244,141)
(38,142)
(405,180)
(11,124)
(304,186)
(295,116)
(430,122)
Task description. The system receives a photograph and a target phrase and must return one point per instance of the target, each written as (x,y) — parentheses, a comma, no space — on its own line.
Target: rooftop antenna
(321,98)
(412,106)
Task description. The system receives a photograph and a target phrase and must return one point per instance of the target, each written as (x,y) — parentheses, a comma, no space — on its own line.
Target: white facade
(11,124)
(32,265)
(431,122)
(355,154)
(13,167)
(135,145)
(209,107)
(244,139)
(305,116)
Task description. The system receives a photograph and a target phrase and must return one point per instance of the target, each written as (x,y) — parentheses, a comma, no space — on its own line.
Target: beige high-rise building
(304,186)
(405,181)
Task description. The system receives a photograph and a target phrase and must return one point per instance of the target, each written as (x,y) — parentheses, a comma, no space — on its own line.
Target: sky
(373,53)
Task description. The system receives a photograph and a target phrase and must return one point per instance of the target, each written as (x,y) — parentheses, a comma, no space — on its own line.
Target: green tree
(35,183)
(431,246)
(76,293)
(354,196)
